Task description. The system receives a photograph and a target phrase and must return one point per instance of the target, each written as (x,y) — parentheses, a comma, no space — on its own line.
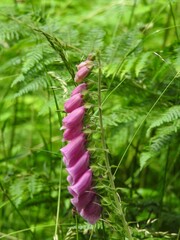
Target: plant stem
(116,196)
(58,204)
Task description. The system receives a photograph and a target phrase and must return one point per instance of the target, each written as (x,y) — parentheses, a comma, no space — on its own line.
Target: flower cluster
(75,155)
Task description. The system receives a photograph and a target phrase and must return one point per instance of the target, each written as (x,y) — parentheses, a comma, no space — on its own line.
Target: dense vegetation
(137,48)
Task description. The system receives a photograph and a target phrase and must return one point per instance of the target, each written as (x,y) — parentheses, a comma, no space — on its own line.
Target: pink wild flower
(73,150)
(74,102)
(83,200)
(74,118)
(71,133)
(92,211)
(83,183)
(79,89)
(80,167)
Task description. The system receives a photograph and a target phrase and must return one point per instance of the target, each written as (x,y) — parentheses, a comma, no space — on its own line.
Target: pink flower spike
(71,133)
(83,200)
(74,102)
(74,118)
(73,150)
(79,89)
(80,167)
(82,184)
(81,74)
(92,211)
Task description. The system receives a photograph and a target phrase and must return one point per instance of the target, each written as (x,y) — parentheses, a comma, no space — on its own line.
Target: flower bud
(81,74)
(84,69)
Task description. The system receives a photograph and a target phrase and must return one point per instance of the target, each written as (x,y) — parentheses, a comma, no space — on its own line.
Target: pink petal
(80,167)
(73,150)
(81,74)
(83,200)
(74,102)
(70,179)
(74,118)
(87,63)
(92,211)
(79,89)
(82,184)
(71,133)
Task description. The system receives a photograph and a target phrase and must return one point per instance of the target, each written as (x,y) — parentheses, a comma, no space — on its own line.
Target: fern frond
(33,58)
(145,158)
(141,62)
(158,142)
(128,65)
(9,31)
(35,85)
(170,115)
(96,42)
(120,116)
(19,78)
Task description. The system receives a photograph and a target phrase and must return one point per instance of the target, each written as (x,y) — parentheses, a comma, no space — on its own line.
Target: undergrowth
(137,42)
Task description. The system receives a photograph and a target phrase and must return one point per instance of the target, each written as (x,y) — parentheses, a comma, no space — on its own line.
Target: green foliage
(41,42)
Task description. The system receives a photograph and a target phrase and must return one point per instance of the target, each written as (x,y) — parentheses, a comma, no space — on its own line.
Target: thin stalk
(58,204)
(13,127)
(117,198)
(174,21)
(132,13)
(77,230)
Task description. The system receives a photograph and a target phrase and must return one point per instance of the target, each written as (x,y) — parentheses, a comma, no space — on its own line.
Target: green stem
(58,205)
(117,198)
(77,230)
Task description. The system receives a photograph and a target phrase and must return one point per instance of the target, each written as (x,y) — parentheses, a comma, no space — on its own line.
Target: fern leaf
(158,142)
(18,79)
(31,87)
(170,115)
(142,60)
(128,65)
(32,58)
(145,158)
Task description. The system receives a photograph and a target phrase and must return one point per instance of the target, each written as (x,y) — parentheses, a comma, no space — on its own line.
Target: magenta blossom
(92,211)
(74,118)
(79,89)
(83,200)
(82,184)
(74,102)
(71,133)
(80,167)
(73,150)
